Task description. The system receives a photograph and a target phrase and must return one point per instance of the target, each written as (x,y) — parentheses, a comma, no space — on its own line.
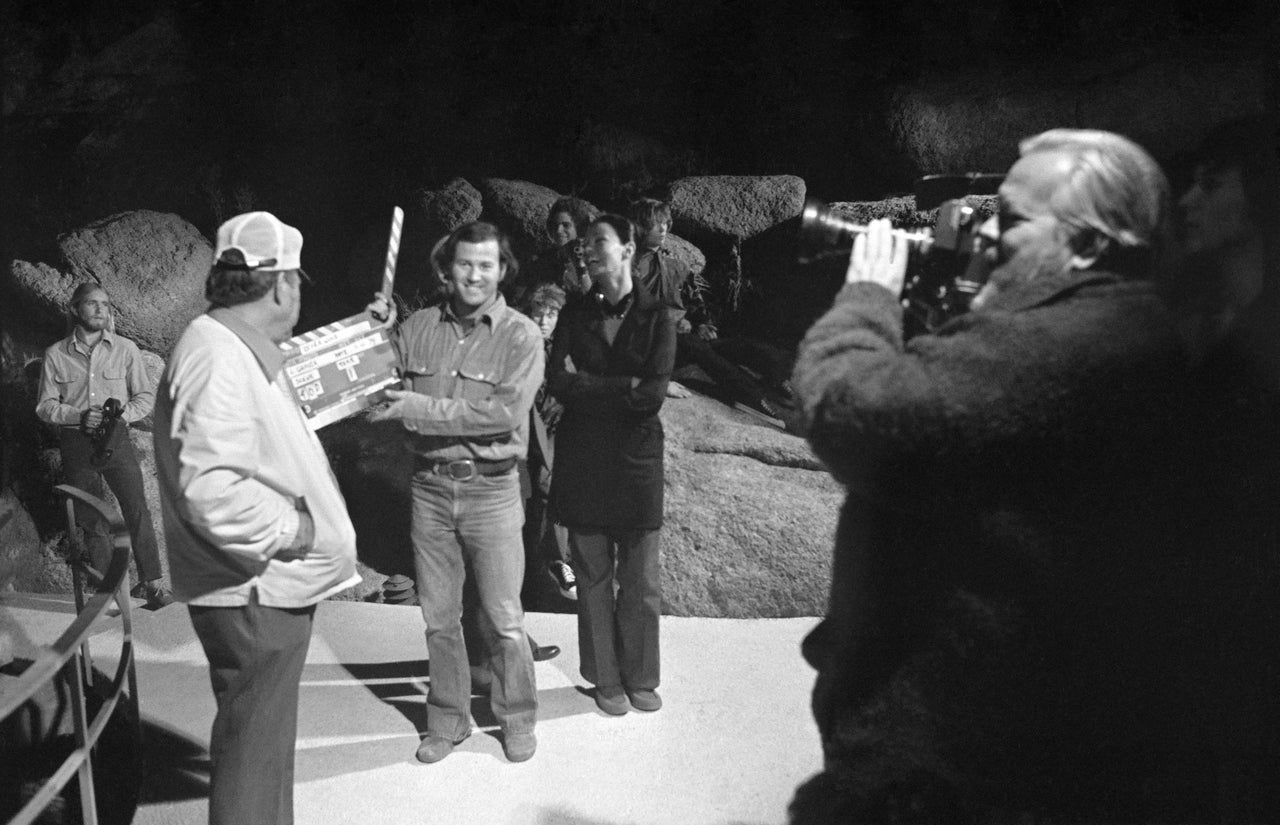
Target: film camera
(946,269)
(102,435)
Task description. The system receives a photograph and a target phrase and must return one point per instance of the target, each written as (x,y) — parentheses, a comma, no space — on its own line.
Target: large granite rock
(750,517)
(972,119)
(19,542)
(750,513)
(436,212)
(519,208)
(152,264)
(738,206)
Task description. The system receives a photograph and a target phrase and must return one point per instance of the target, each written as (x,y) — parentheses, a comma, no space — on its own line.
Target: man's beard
(1023,268)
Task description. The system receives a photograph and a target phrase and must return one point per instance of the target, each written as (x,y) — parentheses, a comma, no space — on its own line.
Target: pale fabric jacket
(236,461)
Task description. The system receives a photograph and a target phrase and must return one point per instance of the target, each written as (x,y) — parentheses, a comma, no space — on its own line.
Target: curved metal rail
(70,655)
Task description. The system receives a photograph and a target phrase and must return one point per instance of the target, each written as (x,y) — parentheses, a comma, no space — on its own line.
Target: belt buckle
(466,464)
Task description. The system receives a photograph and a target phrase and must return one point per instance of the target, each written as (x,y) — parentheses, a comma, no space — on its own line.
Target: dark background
(329,111)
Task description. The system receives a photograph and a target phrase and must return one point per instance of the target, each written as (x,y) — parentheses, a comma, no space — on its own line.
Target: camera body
(949,273)
(946,269)
(102,435)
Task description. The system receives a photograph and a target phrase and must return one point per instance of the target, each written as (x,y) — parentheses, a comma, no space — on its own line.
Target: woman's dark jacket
(609,443)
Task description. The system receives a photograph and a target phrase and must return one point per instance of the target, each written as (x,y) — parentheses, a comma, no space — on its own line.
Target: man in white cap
(256,527)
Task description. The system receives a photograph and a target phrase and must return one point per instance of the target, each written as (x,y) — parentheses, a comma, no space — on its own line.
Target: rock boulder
(738,206)
(519,208)
(152,264)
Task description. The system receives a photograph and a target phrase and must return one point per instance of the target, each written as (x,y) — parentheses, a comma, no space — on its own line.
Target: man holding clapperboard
(472,366)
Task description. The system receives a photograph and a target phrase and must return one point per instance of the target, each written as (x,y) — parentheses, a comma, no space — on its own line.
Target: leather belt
(465,469)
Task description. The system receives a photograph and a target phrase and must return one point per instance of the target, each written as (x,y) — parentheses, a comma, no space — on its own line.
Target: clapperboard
(341,368)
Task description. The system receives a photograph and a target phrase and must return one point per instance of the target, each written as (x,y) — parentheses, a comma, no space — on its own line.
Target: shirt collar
(75,341)
(268,353)
(490,315)
(619,309)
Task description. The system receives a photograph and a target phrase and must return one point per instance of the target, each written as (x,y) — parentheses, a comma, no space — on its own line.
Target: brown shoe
(434,748)
(646,700)
(611,699)
(519,747)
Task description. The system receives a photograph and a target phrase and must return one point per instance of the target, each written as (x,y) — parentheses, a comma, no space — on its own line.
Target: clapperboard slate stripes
(340,368)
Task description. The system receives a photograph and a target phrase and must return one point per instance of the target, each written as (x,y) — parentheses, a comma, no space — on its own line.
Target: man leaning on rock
(89,378)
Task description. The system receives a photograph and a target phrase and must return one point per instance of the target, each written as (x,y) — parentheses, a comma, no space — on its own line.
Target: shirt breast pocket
(476,385)
(114,385)
(425,378)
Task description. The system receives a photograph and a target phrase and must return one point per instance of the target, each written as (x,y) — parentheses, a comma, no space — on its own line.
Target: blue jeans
(476,524)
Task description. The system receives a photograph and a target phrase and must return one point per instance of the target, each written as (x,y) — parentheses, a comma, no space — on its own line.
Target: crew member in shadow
(1227,296)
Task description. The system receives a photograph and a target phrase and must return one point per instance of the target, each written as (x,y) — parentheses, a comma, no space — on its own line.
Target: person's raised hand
(382,308)
(879,256)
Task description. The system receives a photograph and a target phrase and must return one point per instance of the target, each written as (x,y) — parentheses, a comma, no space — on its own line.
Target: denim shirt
(480,382)
(75,378)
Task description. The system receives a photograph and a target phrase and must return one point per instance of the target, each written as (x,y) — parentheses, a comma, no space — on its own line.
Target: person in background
(542,534)
(473,365)
(1227,295)
(668,279)
(256,527)
(611,359)
(562,264)
(81,373)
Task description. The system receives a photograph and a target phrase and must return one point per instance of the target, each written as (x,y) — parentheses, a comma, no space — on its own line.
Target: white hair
(1116,198)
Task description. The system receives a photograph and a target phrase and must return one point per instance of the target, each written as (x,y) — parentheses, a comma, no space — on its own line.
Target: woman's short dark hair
(626,229)
(474,232)
(578,210)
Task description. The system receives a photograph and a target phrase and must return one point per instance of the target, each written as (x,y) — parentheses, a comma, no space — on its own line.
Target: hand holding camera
(879,256)
(99,423)
(946,271)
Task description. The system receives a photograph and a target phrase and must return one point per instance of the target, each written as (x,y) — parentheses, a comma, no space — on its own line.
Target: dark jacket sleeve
(605,393)
(941,407)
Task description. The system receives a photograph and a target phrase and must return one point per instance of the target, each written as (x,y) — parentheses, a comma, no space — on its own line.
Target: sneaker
(612,700)
(564,578)
(646,700)
(434,748)
(155,594)
(763,410)
(519,747)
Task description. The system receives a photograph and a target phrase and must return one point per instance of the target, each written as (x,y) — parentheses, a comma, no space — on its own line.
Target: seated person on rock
(668,279)
(562,264)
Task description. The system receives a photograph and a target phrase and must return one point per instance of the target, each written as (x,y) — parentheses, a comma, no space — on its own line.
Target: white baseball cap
(258,240)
